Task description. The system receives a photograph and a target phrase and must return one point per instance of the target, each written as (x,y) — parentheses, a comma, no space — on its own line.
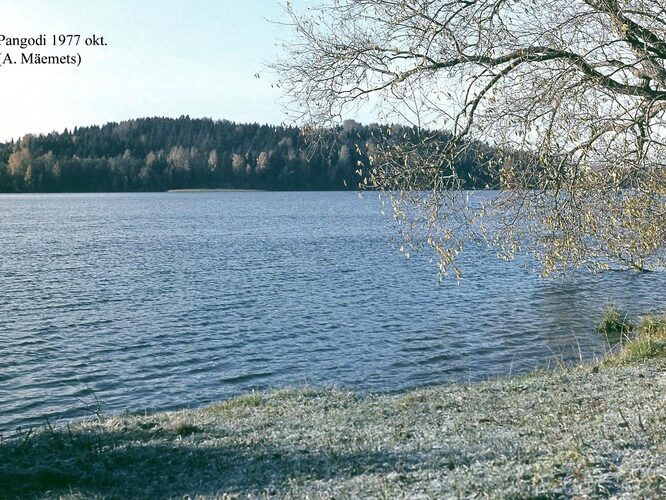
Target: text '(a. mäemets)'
(36,58)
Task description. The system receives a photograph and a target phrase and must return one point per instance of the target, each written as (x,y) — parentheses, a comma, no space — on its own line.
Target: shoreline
(591,430)
(221,190)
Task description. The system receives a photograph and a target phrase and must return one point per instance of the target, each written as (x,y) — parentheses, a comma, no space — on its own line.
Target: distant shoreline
(228,190)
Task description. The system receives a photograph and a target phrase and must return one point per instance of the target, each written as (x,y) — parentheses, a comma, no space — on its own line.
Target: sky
(162,58)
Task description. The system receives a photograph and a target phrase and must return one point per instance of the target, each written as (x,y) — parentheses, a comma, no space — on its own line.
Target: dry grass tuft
(648,343)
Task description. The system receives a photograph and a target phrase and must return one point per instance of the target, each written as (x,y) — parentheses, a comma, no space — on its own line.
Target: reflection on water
(170,300)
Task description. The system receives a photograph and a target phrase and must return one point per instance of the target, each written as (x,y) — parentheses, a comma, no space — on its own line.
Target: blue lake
(170,300)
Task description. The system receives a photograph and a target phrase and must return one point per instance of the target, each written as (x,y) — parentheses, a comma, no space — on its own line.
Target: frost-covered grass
(588,431)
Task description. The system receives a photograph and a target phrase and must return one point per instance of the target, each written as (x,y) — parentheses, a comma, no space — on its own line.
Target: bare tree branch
(569,96)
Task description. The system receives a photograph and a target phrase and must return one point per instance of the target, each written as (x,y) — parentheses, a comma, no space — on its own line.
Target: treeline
(158,154)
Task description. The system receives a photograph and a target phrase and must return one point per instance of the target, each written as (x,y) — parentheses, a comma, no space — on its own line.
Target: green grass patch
(614,321)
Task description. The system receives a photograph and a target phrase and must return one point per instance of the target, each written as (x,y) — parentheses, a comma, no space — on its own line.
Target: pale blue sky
(164,58)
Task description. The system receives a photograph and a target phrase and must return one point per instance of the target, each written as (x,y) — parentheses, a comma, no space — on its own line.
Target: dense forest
(158,154)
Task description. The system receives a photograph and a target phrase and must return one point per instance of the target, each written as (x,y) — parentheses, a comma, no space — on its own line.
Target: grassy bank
(595,430)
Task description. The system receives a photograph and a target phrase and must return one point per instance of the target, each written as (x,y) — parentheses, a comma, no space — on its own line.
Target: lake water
(170,300)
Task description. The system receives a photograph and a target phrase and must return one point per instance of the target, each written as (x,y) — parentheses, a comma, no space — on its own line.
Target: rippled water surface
(157,301)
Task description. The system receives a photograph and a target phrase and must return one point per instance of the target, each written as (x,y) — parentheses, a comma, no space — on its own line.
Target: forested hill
(157,154)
